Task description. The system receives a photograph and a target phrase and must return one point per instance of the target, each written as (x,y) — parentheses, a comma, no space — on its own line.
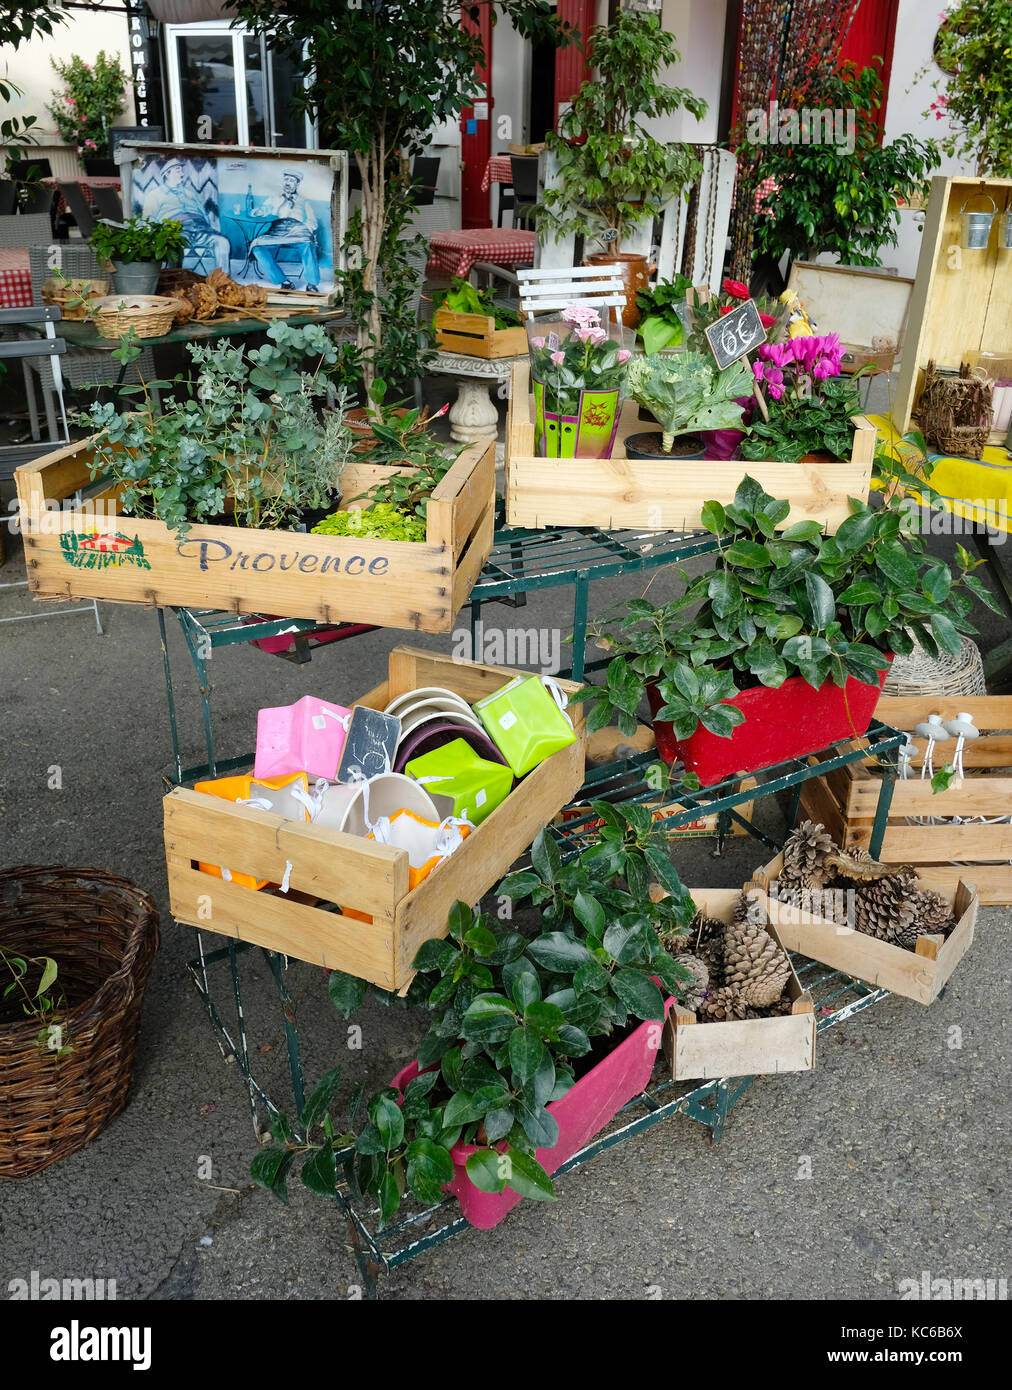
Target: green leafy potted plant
(973,47)
(811,407)
(612,173)
(685,393)
(137,249)
(790,637)
(578,369)
(664,314)
(538,1037)
(246,446)
(94,96)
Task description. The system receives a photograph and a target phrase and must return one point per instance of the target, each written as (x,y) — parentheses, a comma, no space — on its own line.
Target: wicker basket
(149,315)
(103,933)
(68,294)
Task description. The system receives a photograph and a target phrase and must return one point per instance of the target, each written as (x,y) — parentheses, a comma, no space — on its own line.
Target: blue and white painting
(263,221)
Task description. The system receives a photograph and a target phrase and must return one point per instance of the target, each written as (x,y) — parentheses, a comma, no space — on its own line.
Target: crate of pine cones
(744,1012)
(967,822)
(894,926)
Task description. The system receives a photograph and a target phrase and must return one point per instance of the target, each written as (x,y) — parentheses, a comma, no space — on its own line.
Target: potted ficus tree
(538,1037)
(686,394)
(612,173)
(790,639)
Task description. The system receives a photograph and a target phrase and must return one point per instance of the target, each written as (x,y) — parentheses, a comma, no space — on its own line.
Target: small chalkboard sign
(370,745)
(736,334)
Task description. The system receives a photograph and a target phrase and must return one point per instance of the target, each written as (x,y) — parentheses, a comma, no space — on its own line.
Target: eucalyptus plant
(776,605)
(513,1012)
(248,432)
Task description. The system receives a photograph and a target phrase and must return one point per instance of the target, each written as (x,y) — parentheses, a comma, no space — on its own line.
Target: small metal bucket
(1005,234)
(977,225)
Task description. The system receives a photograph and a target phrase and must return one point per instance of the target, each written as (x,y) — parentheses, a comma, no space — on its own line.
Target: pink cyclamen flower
(581,316)
(537,342)
(624,354)
(591,335)
(558,358)
(775,382)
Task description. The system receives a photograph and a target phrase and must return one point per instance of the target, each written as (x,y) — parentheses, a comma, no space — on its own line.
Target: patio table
(497,170)
(87,182)
(15,278)
(456,251)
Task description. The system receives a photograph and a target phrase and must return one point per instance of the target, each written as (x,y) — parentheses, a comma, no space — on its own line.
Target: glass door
(226,87)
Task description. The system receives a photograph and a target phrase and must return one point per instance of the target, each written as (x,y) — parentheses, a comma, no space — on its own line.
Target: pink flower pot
(582,1112)
(790,722)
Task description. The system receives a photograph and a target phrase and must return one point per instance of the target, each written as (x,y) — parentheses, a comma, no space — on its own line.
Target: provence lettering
(214,552)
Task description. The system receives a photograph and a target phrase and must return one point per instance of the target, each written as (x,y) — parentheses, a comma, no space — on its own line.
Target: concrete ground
(887,1160)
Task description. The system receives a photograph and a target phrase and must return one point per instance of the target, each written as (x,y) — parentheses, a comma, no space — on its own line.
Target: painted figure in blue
(175,197)
(294,229)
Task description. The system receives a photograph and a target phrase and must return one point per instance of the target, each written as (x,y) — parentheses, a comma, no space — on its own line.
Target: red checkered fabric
(15,279)
(765,190)
(497,170)
(456,252)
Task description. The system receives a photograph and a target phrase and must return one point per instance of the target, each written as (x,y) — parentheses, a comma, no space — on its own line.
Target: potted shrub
(137,249)
(538,1037)
(578,367)
(790,640)
(686,394)
(246,446)
(94,96)
(664,314)
(613,174)
(810,404)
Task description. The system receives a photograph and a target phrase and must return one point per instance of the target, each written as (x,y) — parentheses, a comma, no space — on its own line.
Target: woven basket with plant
(76,947)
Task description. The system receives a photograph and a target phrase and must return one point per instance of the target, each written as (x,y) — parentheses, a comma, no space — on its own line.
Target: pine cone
(706,941)
(858,865)
(932,916)
(693,991)
(884,908)
(754,963)
(722,1006)
(805,854)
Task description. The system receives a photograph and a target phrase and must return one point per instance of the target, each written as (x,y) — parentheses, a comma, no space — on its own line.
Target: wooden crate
(858,304)
(331,870)
(962,300)
(744,1047)
(918,975)
(845,800)
(619,492)
(475,335)
(407,584)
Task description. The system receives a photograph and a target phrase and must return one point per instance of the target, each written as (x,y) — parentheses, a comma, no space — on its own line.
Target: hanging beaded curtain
(783,45)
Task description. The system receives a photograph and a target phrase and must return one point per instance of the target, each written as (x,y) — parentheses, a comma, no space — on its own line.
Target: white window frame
(214,28)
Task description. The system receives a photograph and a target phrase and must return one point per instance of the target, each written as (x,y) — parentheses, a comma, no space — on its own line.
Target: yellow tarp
(977,490)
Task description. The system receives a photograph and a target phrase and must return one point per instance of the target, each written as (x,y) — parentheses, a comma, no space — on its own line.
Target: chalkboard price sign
(736,334)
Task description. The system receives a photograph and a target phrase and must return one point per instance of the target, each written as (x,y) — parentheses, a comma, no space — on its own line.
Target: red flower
(726,309)
(767,320)
(736,289)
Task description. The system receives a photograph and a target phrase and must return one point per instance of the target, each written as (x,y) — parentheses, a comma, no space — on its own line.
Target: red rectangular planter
(789,722)
(581,1113)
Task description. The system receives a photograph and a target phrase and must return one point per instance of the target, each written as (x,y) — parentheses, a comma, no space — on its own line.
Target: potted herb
(578,368)
(137,249)
(538,1037)
(810,405)
(790,638)
(686,394)
(613,174)
(247,445)
(664,314)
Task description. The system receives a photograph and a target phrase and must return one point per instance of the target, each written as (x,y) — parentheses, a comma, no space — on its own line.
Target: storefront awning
(190,11)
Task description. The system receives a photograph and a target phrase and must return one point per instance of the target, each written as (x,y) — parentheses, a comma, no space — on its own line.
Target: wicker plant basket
(103,933)
(955,412)
(149,315)
(67,296)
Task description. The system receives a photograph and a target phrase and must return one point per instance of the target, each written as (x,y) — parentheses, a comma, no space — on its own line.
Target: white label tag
(481,798)
(319,722)
(508,720)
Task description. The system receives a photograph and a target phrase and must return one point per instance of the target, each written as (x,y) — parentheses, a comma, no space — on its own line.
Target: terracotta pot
(635,273)
(789,722)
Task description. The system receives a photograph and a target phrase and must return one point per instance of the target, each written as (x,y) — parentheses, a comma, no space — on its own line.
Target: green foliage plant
(138,240)
(93,96)
(686,393)
(975,46)
(793,603)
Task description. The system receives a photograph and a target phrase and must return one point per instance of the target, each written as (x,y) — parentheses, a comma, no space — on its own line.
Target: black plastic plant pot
(648,446)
